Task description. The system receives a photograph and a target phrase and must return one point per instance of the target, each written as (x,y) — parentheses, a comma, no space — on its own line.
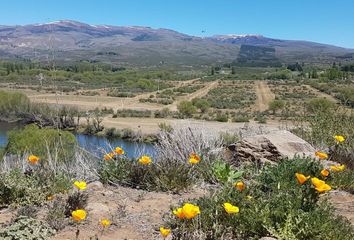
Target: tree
(212,71)
(186,108)
(233,70)
(276,105)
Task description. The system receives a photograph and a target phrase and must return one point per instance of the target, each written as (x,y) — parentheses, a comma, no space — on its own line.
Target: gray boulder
(273,146)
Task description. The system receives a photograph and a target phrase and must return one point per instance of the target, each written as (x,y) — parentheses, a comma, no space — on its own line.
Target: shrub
(261,119)
(157,176)
(221,117)
(42,142)
(164,113)
(56,217)
(202,104)
(241,119)
(76,200)
(342,180)
(276,105)
(133,113)
(13,103)
(30,188)
(323,126)
(165,127)
(112,133)
(228,138)
(186,108)
(320,104)
(27,228)
(273,204)
(27,211)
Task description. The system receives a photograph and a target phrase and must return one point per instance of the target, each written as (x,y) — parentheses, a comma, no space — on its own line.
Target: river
(94,144)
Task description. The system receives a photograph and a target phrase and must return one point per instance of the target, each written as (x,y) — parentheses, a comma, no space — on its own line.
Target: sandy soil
(264,96)
(150,125)
(134,214)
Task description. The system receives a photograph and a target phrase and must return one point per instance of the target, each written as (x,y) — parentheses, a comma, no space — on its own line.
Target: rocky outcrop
(272,147)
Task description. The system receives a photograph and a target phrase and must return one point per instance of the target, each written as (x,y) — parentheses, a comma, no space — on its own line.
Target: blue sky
(325,21)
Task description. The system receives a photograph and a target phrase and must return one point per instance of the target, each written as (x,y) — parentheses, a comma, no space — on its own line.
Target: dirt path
(264,96)
(179,84)
(197,94)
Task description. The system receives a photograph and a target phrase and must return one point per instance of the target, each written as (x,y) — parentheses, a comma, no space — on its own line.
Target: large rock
(272,146)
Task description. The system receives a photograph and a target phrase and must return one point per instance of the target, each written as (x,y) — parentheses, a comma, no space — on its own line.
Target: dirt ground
(151,125)
(134,214)
(264,96)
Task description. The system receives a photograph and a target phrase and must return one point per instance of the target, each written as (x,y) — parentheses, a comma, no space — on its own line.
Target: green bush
(13,103)
(221,117)
(19,188)
(273,204)
(320,104)
(202,104)
(323,126)
(128,172)
(42,142)
(164,175)
(186,108)
(27,228)
(276,105)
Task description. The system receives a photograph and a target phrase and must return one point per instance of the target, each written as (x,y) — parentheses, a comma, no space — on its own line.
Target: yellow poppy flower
(79,215)
(178,213)
(320,185)
(230,209)
(321,155)
(317,182)
(33,159)
(145,160)
(80,185)
(50,197)
(325,173)
(194,158)
(190,211)
(338,168)
(339,138)
(105,223)
(301,178)
(108,156)
(119,151)
(323,188)
(165,231)
(240,186)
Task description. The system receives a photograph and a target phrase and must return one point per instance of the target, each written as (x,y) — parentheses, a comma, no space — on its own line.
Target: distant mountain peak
(236,36)
(63,22)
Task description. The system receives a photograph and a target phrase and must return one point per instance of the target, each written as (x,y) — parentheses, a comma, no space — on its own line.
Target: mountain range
(66,41)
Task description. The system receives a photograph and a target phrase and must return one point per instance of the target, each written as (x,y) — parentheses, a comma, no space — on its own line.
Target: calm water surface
(94,144)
